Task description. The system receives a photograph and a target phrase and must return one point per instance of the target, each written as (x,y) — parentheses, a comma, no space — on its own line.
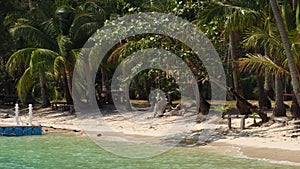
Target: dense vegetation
(258,42)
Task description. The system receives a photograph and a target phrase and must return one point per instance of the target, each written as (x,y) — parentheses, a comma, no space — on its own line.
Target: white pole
(30,114)
(17,113)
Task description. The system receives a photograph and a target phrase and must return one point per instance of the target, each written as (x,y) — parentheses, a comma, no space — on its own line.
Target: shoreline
(272,155)
(274,143)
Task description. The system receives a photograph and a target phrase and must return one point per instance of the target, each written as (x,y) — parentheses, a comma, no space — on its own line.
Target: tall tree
(233,17)
(63,32)
(287,48)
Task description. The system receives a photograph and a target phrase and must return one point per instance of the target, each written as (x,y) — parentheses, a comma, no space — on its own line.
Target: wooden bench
(62,106)
(229,117)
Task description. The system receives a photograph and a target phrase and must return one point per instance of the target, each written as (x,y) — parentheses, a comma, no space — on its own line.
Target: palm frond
(58,66)
(64,16)
(235,14)
(42,59)
(64,44)
(72,57)
(113,58)
(261,37)
(32,36)
(50,28)
(20,57)
(260,65)
(79,20)
(25,84)
(84,32)
(237,7)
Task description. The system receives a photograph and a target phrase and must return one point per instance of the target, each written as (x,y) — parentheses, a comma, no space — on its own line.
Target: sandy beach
(274,141)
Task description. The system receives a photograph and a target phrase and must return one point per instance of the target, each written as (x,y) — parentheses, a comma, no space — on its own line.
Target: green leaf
(20,57)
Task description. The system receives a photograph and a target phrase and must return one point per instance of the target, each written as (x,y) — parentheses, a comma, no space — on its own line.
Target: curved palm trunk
(291,63)
(279,109)
(45,99)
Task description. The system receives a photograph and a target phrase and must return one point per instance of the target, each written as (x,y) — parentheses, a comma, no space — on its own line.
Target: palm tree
(37,61)
(287,48)
(233,17)
(61,34)
(275,62)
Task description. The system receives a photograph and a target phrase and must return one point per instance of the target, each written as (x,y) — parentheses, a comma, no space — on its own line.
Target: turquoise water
(62,151)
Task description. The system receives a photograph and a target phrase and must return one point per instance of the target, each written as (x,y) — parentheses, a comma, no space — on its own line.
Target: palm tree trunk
(268,87)
(295,109)
(279,109)
(235,72)
(204,105)
(263,100)
(45,99)
(243,109)
(67,96)
(291,63)
(69,76)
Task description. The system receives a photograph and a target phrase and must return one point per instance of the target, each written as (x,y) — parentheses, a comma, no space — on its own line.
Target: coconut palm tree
(62,34)
(275,62)
(287,48)
(233,17)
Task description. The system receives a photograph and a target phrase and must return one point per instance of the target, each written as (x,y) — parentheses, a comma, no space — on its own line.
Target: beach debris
(294,136)
(175,111)
(163,108)
(159,106)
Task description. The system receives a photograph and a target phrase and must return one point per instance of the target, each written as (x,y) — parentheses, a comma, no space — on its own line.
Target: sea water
(64,151)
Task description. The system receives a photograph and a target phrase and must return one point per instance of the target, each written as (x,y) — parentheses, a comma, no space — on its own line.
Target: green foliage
(266,35)
(221,109)
(50,42)
(49,34)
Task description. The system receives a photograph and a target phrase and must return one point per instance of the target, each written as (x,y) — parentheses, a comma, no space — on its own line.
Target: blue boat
(20,130)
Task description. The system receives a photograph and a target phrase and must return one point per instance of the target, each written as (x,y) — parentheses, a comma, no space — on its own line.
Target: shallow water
(63,151)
